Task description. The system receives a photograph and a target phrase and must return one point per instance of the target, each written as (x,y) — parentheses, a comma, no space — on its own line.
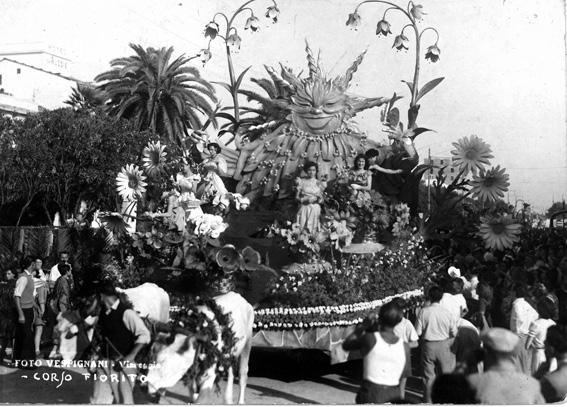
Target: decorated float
(317,223)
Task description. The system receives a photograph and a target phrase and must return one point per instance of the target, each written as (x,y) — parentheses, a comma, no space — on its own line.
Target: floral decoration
(499,232)
(153,158)
(209,225)
(490,185)
(130,182)
(471,154)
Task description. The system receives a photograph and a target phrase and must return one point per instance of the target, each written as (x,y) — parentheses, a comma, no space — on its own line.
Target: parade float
(278,202)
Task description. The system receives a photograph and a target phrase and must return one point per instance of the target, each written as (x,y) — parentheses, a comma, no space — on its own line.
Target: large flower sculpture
(130,182)
(471,154)
(154,158)
(209,225)
(490,185)
(499,233)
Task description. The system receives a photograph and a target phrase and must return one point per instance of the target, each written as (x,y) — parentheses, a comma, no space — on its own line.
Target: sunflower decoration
(130,182)
(471,154)
(154,156)
(490,185)
(499,233)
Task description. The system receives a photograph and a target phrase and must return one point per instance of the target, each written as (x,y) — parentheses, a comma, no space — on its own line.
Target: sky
(503,62)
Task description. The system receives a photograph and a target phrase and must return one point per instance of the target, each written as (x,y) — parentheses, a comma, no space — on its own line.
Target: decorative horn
(352,69)
(314,70)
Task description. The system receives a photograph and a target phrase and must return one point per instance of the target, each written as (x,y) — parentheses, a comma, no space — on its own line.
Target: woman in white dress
(182,206)
(212,189)
(538,332)
(310,196)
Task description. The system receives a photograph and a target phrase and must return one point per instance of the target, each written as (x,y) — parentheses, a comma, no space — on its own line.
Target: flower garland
(326,316)
(210,353)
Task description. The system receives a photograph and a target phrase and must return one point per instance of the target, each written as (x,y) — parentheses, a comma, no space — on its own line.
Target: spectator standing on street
(501,382)
(55,272)
(60,301)
(554,384)
(8,313)
(406,331)
(124,334)
(538,332)
(40,301)
(24,299)
(436,326)
(522,316)
(39,272)
(386,356)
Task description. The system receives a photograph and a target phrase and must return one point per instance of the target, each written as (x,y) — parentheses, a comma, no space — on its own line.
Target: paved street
(280,377)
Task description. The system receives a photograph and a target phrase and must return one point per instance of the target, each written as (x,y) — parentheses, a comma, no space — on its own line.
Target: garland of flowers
(209,354)
(287,318)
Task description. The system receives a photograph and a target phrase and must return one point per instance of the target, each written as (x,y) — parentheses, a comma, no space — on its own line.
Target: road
(275,377)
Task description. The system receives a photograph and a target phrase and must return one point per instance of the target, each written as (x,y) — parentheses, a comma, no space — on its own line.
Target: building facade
(34,76)
(450,169)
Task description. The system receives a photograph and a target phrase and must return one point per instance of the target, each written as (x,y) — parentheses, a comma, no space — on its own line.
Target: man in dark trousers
(24,349)
(124,334)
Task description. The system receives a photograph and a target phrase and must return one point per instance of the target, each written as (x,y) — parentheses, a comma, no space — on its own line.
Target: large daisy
(154,158)
(490,185)
(130,182)
(471,154)
(499,233)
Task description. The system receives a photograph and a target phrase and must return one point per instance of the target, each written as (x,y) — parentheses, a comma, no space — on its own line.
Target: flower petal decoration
(211,30)
(251,258)
(353,21)
(471,154)
(433,53)
(417,12)
(228,258)
(499,233)
(273,12)
(252,23)
(490,185)
(233,41)
(383,28)
(153,158)
(401,42)
(114,222)
(205,55)
(130,182)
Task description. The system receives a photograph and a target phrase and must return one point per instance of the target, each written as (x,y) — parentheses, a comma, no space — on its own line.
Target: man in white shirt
(436,327)
(55,273)
(523,314)
(453,300)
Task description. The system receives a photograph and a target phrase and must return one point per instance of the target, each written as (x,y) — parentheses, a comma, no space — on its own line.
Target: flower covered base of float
(323,327)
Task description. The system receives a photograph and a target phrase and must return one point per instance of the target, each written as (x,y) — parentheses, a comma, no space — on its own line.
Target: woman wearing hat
(212,189)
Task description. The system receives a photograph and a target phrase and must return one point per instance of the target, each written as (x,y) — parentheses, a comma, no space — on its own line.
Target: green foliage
(402,267)
(62,157)
(156,93)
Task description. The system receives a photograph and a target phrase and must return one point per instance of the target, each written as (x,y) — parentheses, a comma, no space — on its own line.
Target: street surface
(276,377)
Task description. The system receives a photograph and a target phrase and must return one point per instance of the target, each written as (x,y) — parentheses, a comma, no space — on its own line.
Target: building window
(18,71)
(0,79)
(452,169)
(441,162)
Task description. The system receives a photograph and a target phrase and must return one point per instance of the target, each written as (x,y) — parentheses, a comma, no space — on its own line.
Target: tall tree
(84,96)
(158,94)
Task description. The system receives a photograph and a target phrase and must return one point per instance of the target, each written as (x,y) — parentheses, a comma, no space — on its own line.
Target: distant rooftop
(33,48)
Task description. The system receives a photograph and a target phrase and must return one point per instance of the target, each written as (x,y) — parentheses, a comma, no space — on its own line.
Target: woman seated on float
(310,196)
(182,205)
(212,189)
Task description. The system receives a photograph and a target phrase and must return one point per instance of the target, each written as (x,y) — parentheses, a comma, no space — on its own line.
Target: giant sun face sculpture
(316,128)
(318,108)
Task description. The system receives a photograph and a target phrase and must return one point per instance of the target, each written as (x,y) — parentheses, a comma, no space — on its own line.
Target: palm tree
(84,97)
(157,94)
